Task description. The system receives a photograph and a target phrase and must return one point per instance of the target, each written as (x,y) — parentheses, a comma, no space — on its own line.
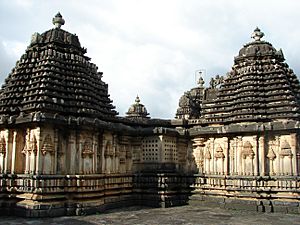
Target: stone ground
(162,216)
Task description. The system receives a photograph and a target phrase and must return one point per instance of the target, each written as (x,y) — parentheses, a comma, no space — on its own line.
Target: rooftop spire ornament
(58,21)
(257,34)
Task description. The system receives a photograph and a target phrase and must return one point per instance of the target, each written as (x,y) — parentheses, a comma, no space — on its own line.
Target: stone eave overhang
(242,128)
(112,124)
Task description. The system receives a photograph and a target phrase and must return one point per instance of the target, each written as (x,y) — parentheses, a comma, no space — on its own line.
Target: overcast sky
(153,48)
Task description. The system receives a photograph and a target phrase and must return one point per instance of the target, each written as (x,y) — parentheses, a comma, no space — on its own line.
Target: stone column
(262,156)
(294,154)
(26,152)
(226,159)
(213,168)
(255,160)
(71,153)
(279,161)
(239,168)
(14,152)
(39,156)
(80,157)
(7,159)
(95,150)
(55,161)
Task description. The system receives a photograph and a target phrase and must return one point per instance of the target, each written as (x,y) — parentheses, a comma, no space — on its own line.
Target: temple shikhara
(65,151)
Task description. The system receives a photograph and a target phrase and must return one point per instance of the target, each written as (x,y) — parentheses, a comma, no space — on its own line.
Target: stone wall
(261,168)
(248,155)
(54,170)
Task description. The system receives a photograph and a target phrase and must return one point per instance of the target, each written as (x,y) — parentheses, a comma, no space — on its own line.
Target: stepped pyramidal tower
(55,80)
(65,151)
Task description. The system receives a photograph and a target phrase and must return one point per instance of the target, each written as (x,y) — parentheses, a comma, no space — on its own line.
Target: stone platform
(189,214)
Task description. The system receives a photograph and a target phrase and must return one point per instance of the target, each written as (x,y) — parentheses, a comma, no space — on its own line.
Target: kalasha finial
(58,21)
(137,100)
(257,34)
(200,81)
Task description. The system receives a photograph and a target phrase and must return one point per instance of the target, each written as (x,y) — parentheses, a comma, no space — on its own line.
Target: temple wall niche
(220,153)
(18,159)
(109,149)
(48,151)
(87,154)
(247,154)
(124,154)
(31,150)
(211,155)
(282,154)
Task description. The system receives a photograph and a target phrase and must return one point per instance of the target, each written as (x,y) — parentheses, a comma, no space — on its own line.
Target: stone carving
(47,146)
(207,154)
(216,82)
(2,146)
(108,150)
(247,151)
(87,149)
(219,153)
(184,100)
(285,149)
(30,145)
(271,154)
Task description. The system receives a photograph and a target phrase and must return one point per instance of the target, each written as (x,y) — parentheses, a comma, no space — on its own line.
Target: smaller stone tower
(137,110)
(190,102)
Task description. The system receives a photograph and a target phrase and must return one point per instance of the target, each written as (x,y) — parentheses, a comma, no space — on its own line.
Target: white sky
(153,48)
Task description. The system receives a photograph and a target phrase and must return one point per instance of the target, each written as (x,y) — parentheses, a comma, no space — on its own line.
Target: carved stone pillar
(239,156)
(115,159)
(38,158)
(55,160)
(278,166)
(26,152)
(255,161)
(3,150)
(14,152)
(71,153)
(294,154)
(7,158)
(226,159)
(262,156)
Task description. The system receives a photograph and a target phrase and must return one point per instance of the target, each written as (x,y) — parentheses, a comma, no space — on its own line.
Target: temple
(65,151)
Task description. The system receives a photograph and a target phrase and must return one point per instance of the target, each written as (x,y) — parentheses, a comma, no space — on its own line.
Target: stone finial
(200,81)
(257,34)
(58,21)
(137,110)
(137,100)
